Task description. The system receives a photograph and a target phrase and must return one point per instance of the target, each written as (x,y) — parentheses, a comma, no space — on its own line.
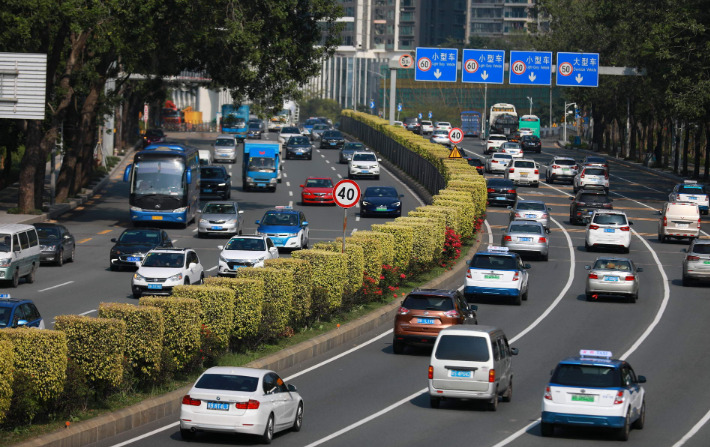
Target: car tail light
(665,221)
(619,399)
(431,372)
(625,229)
(516,277)
(468,274)
(581,203)
(187,400)
(511,191)
(630,278)
(491,190)
(555,166)
(698,223)
(593,276)
(594,227)
(575,167)
(606,205)
(507,238)
(511,170)
(545,216)
(606,176)
(518,215)
(692,258)
(542,239)
(452,313)
(494,161)
(250,405)
(548,393)
(491,375)
(582,176)
(403,310)
(537,171)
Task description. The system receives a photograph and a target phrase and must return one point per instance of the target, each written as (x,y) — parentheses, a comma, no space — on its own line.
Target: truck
(235,120)
(288,116)
(261,165)
(471,123)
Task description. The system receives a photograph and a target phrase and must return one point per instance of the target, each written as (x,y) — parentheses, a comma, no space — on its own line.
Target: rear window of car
(564,162)
(596,160)
(298,140)
(596,198)
(498,138)
(503,156)
(612,264)
(587,376)
(494,262)
(524,164)
(691,190)
(463,348)
(428,302)
(531,206)
(225,142)
(702,249)
(290,130)
(332,134)
(594,171)
(610,219)
(227,382)
(523,228)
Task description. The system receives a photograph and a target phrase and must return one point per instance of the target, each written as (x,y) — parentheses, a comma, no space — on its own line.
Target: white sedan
(245,251)
(440,137)
(241,400)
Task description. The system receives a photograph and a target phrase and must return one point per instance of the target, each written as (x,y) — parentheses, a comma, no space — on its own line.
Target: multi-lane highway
(368,395)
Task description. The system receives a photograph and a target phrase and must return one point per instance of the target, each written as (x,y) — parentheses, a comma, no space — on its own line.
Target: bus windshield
(164,176)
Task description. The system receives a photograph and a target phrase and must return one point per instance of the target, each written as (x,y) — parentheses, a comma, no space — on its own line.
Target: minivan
(225,149)
(679,220)
(471,362)
(19,253)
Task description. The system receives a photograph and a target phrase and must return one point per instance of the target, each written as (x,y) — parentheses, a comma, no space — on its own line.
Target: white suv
(523,172)
(494,143)
(608,228)
(591,178)
(427,127)
(364,164)
(245,251)
(164,268)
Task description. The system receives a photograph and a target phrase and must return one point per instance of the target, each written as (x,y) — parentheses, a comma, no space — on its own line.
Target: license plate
(525,239)
(425,320)
(530,216)
(215,228)
(381,208)
(207,190)
(365,172)
(523,174)
(608,230)
(155,286)
(332,143)
(706,262)
(491,276)
(217,406)
(499,198)
(565,169)
(683,225)
(590,213)
(455,373)
(582,398)
(693,198)
(133,259)
(156,217)
(611,278)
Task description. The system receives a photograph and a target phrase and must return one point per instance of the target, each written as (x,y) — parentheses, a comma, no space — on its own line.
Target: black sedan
(585,202)
(381,201)
(531,143)
(153,136)
(215,181)
(132,245)
(254,131)
(332,139)
(501,191)
(299,147)
(57,244)
(477,163)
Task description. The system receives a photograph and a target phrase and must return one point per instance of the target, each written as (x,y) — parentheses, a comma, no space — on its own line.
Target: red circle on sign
(346,193)
(474,67)
(564,66)
(405,61)
(518,69)
(458,138)
(424,64)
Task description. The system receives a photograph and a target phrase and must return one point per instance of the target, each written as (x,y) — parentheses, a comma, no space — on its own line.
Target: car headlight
(48,247)
(273,180)
(365,203)
(222,258)
(396,203)
(180,210)
(222,184)
(203,221)
(136,208)
(250,180)
(176,277)
(138,277)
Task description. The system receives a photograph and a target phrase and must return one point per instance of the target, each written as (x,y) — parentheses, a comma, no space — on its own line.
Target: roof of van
(468,328)
(15,227)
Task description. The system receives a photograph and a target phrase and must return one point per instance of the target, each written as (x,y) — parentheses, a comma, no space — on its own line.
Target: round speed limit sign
(519,67)
(566,69)
(346,193)
(456,135)
(471,66)
(424,63)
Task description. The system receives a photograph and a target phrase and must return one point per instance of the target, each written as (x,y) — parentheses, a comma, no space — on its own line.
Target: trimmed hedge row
(355,262)
(217,309)
(7,360)
(403,242)
(278,299)
(302,272)
(248,303)
(329,274)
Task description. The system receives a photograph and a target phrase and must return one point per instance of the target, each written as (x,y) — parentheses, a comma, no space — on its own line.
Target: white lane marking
(54,287)
(636,183)
(87,312)
(489,230)
(340,176)
(321,155)
(146,435)
(284,175)
(290,193)
(195,230)
(288,184)
(212,268)
(354,231)
(517,434)
(333,168)
(693,431)
(327,162)
(357,218)
(174,241)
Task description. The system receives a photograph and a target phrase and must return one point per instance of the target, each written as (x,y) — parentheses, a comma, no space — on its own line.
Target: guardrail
(407,160)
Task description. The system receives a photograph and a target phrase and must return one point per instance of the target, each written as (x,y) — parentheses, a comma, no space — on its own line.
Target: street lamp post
(567,105)
(384,91)
(531,101)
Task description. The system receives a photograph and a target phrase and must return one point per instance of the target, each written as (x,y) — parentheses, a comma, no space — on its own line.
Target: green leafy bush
(248,303)
(330,273)
(217,305)
(302,286)
(183,320)
(7,358)
(278,299)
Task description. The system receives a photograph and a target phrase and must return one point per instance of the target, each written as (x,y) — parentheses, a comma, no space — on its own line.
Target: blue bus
(235,120)
(164,183)
(471,123)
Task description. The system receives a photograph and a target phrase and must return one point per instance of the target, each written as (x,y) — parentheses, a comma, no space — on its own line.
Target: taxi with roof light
(608,229)
(594,390)
(17,312)
(497,273)
(613,277)
(691,191)
(287,228)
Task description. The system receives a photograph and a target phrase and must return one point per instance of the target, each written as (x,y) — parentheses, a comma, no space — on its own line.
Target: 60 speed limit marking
(346,193)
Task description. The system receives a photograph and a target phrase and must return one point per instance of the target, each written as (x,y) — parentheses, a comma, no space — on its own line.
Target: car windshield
(375,191)
(428,302)
(494,262)
(587,376)
(610,219)
(160,259)
(299,140)
(530,138)
(290,130)
(701,249)
(154,133)
(321,127)
(595,198)
(531,206)
(332,134)
(612,264)
(319,183)
(246,244)
(498,138)
(511,146)
(312,122)
(563,162)
(140,237)
(255,126)
(224,142)
(210,172)
(5,243)
(594,171)
(462,348)
(227,382)
(525,164)
(364,157)
(354,146)
(219,208)
(503,156)
(596,160)
(48,232)
(525,228)
(280,219)
(443,123)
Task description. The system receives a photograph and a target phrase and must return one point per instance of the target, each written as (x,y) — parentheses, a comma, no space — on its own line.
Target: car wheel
(200,235)
(15,281)
(545,257)
(587,246)
(493,404)
(686,281)
(508,396)
(377,177)
(547,429)
(625,249)
(30,277)
(525,296)
(137,293)
(72,255)
(187,281)
(202,279)
(268,431)
(549,180)
(517,300)
(434,402)
(60,258)
(298,422)
(398,347)
(623,433)
(661,238)
(310,157)
(632,298)
(187,435)
(641,421)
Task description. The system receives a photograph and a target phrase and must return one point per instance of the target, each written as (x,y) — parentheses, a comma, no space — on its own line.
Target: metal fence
(409,162)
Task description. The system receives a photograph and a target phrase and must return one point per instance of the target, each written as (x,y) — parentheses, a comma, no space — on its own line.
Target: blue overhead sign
(372,104)
(530,67)
(399,107)
(483,66)
(577,69)
(436,64)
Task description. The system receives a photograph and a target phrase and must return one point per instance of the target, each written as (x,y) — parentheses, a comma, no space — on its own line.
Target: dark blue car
(16,312)
(381,200)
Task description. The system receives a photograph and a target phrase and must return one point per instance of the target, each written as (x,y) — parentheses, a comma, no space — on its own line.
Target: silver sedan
(531,209)
(614,277)
(526,236)
(222,217)
(696,265)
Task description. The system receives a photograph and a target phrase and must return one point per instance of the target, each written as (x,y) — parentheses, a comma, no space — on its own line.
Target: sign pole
(393,94)
(345,225)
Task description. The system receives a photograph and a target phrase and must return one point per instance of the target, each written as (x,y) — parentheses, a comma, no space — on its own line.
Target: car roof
(379,187)
(561,157)
(248,236)
(529,201)
(319,178)
(525,221)
(499,181)
(612,258)
(463,329)
(237,370)
(577,360)
(509,254)
(12,302)
(434,292)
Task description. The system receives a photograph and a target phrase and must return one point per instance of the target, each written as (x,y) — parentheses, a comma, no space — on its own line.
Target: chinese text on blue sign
(436,64)
(578,69)
(530,67)
(483,66)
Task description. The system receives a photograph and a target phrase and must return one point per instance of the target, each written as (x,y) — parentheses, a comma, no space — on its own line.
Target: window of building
(406,30)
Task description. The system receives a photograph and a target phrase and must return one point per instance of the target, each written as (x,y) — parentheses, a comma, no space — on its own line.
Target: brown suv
(425,312)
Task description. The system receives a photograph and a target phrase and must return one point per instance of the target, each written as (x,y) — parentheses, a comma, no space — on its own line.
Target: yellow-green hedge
(426,239)
(476,187)
(182,320)
(7,358)
(355,264)
(278,298)
(144,335)
(464,201)
(217,310)
(439,223)
(96,345)
(451,215)
(248,303)
(40,360)
(371,250)
(329,274)
(403,242)
(385,240)
(302,286)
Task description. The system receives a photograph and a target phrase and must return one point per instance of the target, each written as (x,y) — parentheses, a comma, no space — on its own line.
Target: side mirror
(684,250)
(114,240)
(127,173)
(240,212)
(305,224)
(571,198)
(514,351)
(639,269)
(401,196)
(509,207)
(547,231)
(220,247)
(188,177)
(21,323)
(641,379)
(199,211)
(472,307)
(301,186)
(257,222)
(527,266)
(660,212)
(587,267)
(292,388)
(631,222)
(379,159)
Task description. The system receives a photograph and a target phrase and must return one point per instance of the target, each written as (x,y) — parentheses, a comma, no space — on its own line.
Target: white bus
(500,109)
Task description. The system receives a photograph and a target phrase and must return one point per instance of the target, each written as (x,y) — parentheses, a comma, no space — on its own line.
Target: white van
(679,220)
(205,156)
(471,362)
(19,253)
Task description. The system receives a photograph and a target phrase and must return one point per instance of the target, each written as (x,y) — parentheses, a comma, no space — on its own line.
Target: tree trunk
(686,143)
(28,167)
(697,144)
(659,145)
(706,174)
(676,147)
(633,150)
(598,133)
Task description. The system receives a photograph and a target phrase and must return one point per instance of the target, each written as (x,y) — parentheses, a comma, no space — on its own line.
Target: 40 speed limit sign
(346,193)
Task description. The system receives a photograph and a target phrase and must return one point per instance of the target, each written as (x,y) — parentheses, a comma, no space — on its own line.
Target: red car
(317,190)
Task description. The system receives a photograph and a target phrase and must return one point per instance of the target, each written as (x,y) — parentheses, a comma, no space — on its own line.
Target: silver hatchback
(613,277)
(531,210)
(223,217)
(696,265)
(526,236)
